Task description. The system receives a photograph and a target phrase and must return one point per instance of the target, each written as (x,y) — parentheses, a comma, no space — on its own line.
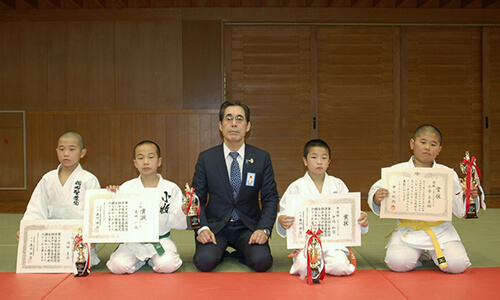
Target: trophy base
(471,213)
(315,273)
(193,222)
(81,269)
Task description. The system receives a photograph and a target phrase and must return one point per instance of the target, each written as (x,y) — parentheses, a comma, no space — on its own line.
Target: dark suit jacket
(211,183)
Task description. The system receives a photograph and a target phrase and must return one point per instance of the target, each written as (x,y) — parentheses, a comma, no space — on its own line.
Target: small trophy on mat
(193,202)
(314,253)
(471,171)
(83,259)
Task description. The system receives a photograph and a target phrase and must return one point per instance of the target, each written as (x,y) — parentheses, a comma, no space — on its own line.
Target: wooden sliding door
(444,88)
(356,103)
(268,68)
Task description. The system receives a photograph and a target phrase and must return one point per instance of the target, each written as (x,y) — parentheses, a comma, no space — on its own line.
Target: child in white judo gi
(317,157)
(60,194)
(162,257)
(407,244)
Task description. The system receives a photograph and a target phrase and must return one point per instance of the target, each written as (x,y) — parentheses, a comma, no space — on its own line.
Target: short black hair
(76,135)
(316,143)
(226,104)
(428,128)
(148,142)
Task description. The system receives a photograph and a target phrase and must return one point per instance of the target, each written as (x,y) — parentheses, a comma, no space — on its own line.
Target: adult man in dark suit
(232,175)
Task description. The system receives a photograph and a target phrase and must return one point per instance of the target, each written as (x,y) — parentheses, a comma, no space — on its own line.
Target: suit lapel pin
(249,161)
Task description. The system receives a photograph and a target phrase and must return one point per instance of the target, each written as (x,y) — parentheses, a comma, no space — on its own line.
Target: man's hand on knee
(206,236)
(258,237)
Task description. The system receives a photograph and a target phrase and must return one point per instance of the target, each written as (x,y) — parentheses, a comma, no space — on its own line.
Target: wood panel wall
(110,138)
(23,74)
(356,103)
(148,68)
(492,92)
(91,65)
(73,51)
(444,88)
(269,69)
(122,76)
(202,76)
(369,88)
(12,150)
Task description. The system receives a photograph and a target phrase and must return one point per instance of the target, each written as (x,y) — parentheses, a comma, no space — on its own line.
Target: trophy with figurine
(82,251)
(193,210)
(314,253)
(472,174)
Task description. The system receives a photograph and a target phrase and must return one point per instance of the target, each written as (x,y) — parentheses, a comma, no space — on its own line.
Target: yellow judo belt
(426,226)
(158,247)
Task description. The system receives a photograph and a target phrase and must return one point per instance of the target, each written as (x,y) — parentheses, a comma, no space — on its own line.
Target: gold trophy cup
(82,262)
(193,202)
(471,180)
(314,257)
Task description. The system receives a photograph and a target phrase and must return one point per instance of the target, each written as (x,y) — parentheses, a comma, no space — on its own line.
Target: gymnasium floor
(372,279)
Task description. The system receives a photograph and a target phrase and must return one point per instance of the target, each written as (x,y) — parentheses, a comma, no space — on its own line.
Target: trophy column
(471,180)
(82,262)
(315,261)
(193,202)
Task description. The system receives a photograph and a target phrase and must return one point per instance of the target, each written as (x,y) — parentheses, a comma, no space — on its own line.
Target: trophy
(314,253)
(471,171)
(82,262)
(193,214)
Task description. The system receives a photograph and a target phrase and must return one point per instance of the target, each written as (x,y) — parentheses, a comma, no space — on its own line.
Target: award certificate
(46,246)
(335,214)
(127,215)
(424,194)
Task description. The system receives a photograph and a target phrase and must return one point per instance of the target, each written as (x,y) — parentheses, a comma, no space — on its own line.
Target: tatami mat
(220,285)
(475,283)
(480,236)
(372,280)
(364,284)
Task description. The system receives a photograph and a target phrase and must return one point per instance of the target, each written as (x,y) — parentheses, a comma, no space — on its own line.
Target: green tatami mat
(479,236)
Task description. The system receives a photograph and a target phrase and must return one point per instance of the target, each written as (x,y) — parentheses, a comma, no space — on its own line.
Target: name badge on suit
(250,179)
